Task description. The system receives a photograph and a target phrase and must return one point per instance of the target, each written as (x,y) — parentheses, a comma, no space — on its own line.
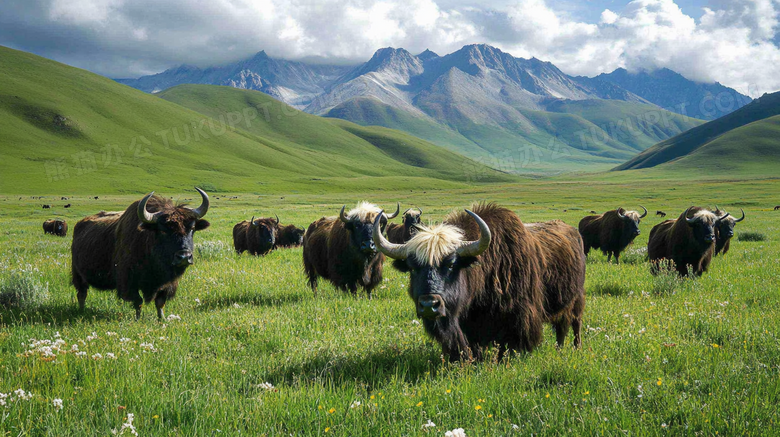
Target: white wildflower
(80,353)
(57,403)
(355,404)
(172,317)
(236,305)
(266,386)
(197,301)
(111,356)
(124,340)
(458,432)
(92,337)
(429,424)
(148,347)
(110,334)
(97,357)
(127,426)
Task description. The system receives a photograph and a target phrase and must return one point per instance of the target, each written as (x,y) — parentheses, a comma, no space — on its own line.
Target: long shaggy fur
(400,233)
(607,232)
(526,277)
(673,241)
(289,236)
(722,229)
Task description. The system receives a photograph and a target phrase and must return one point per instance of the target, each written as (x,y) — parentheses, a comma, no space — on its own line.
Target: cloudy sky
(734,42)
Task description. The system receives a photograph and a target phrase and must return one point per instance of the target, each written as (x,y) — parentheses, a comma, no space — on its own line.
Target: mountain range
(522,114)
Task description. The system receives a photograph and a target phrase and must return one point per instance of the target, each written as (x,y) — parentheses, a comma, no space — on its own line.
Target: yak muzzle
(709,238)
(430,306)
(368,247)
(182,258)
(637,232)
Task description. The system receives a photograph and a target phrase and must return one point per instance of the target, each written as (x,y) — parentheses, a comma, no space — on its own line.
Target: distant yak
(611,232)
(725,230)
(660,214)
(56,227)
(258,236)
(402,232)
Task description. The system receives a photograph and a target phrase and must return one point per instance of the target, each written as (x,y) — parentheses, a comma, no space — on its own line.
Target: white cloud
(733,42)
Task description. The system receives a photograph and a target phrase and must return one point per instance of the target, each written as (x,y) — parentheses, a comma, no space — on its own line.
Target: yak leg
(561,329)
(609,257)
(81,294)
(313,284)
(159,303)
(617,257)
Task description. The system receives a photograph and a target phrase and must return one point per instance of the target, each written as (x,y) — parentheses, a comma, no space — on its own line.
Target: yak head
(58,225)
(296,236)
(631,221)
(173,227)
(360,223)
(265,232)
(436,259)
(703,223)
(724,228)
(412,218)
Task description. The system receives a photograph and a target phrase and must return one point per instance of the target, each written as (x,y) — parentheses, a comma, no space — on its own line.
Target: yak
(402,232)
(611,232)
(483,277)
(341,249)
(56,227)
(258,236)
(660,214)
(777,207)
(290,236)
(725,230)
(146,247)
(686,243)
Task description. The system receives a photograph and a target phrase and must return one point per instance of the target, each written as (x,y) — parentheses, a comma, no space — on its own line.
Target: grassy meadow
(248,350)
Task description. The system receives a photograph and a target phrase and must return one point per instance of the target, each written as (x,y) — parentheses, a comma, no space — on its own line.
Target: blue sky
(733,41)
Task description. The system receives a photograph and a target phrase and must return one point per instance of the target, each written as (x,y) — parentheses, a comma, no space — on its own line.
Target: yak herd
(479,278)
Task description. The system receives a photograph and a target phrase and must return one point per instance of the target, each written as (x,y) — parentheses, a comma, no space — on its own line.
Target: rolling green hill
(746,137)
(65,130)
(586,135)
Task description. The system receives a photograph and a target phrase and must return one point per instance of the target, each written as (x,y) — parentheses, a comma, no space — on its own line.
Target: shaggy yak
(687,242)
(258,236)
(55,227)
(290,236)
(341,249)
(147,247)
(484,278)
(660,214)
(402,232)
(611,232)
(725,230)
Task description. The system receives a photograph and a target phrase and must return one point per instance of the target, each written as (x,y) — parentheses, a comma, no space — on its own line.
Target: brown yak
(402,232)
(147,247)
(687,242)
(56,227)
(725,230)
(611,232)
(290,236)
(341,249)
(258,236)
(484,278)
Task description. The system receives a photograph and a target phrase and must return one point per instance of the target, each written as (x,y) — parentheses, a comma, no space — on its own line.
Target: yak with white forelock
(483,278)
(341,249)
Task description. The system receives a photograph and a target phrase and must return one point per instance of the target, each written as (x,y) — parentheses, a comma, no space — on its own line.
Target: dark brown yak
(777,207)
(341,249)
(55,227)
(660,214)
(258,236)
(290,236)
(611,232)
(687,242)
(725,230)
(484,278)
(402,232)
(136,250)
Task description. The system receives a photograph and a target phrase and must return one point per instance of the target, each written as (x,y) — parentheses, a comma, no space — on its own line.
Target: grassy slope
(660,357)
(690,141)
(572,136)
(290,151)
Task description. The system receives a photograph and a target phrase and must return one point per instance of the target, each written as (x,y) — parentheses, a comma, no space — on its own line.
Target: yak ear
(201,225)
(401,265)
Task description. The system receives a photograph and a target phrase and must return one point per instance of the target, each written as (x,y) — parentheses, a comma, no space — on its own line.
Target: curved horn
(619,213)
(717,208)
(645,214)
(689,220)
(721,218)
(342,217)
(395,214)
(743,216)
(252,222)
(407,211)
(419,209)
(204,204)
(144,215)
(391,250)
(475,248)
(277,219)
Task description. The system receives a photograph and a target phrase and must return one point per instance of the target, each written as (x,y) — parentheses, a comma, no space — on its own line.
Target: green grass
(661,355)
(66,130)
